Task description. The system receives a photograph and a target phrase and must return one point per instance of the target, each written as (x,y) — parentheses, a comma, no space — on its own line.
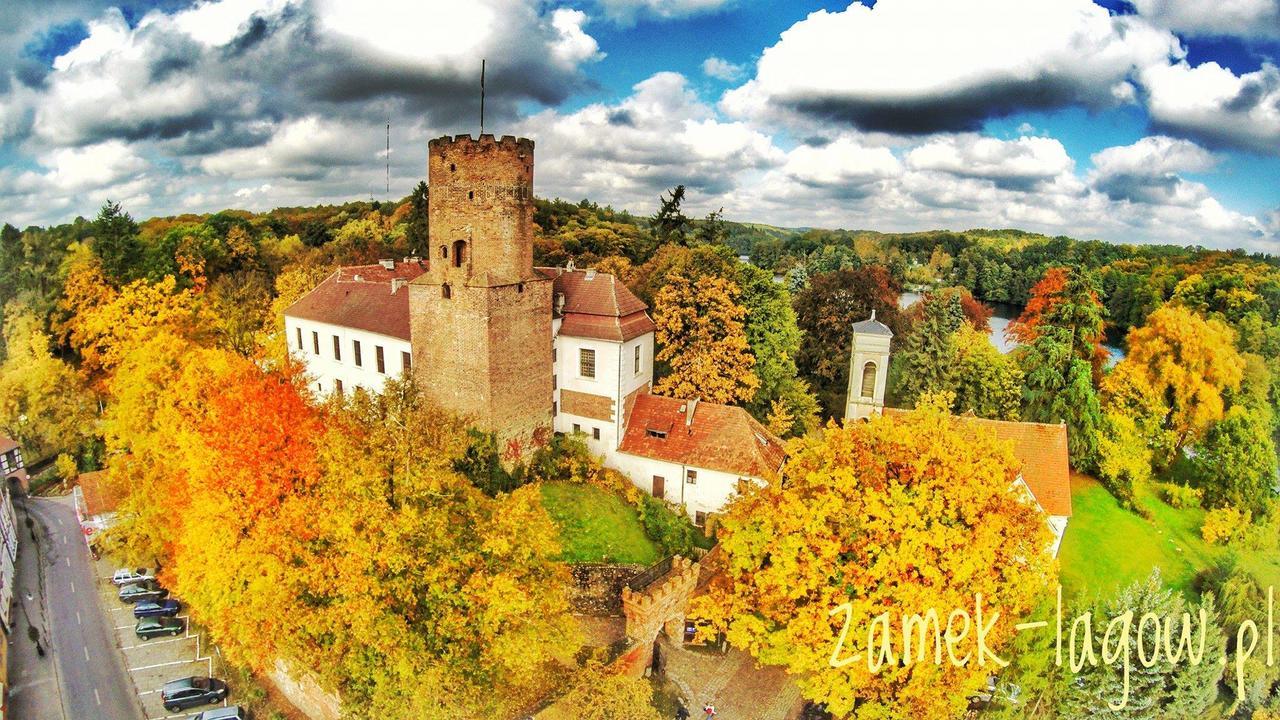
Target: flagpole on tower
(482,96)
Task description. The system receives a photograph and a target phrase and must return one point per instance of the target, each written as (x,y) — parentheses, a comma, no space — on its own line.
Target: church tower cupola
(868,369)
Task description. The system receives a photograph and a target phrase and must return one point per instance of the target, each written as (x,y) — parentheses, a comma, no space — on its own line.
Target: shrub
(1181,496)
(671,530)
(1223,524)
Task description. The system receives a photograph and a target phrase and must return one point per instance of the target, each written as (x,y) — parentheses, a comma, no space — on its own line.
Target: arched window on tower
(445,291)
(444,252)
(459,252)
(869,380)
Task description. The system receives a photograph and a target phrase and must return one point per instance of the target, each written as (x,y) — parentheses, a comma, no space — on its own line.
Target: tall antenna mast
(481,96)
(388,157)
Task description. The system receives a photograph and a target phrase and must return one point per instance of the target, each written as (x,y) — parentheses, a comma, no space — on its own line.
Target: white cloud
(627,153)
(721,69)
(1014,162)
(625,12)
(917,66)
(1213,104)
(1206,18)
(1153,156)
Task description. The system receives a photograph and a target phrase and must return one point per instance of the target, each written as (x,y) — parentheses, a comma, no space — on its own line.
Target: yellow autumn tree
(702,340)
(106,334)
(1175,373)
(43,403)
(898,515)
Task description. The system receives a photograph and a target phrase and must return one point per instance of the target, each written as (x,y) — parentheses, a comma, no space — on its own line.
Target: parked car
(146,590)
(125,576)
(151,627)
(191,692)
(167,607)
(231,712)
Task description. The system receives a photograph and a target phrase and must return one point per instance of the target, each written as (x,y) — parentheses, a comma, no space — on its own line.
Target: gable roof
(7,444)
(720,437)
(360,297)
(1041,448)
(598,305)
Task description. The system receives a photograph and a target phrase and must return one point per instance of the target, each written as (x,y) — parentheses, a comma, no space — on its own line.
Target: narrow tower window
(869,380)
(459,252)
(444,251)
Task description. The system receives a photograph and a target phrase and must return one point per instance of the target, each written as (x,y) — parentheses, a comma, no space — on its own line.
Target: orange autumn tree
(896,515)
(251,467)
(702,338)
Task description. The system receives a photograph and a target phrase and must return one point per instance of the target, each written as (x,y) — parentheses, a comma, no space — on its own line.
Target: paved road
(90,672)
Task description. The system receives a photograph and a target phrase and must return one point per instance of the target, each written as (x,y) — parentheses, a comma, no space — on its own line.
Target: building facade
(12,467)
(522,351)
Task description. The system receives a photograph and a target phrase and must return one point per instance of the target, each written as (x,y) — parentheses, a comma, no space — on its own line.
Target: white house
(352,330)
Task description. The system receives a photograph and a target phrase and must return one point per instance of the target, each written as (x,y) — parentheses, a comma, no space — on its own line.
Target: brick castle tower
(480,317)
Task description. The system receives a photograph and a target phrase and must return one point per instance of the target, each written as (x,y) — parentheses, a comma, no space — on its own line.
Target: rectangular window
(299,338)
(595,433)
(691,477)
(587,363)
(554,382)
(406,363)
(554,410)
(637,370)
(355,352)
(577,428)
(337,387)
(377,354)
(699,518)
(315,342)
(337,348)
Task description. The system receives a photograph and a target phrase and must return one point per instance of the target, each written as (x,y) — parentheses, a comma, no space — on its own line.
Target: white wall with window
(603,368)
(708,491)
(343,359)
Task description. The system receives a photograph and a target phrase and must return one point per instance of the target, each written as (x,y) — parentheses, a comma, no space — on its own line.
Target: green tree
(774,338)
(670,224)
(987,382)
(1164,689)
(926,361)
(416,227)
(1059,388)
(1235,464)
(116,243)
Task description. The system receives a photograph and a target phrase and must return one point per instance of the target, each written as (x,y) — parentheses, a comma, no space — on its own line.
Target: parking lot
(152,663)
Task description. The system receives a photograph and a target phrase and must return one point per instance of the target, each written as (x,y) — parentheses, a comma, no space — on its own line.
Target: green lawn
(597,526)
(1107,546)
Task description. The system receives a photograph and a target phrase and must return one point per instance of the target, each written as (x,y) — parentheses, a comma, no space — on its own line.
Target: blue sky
(1149,121)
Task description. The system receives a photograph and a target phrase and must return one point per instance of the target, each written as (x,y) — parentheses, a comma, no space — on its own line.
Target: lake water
(1001,315)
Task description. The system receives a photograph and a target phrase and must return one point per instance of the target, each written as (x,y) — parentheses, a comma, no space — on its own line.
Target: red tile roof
(7,444)
(598,305)
(1042,450)
(99,496)
(360,297)
(721,437)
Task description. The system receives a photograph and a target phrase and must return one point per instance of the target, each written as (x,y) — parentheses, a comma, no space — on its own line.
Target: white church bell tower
(868,369)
